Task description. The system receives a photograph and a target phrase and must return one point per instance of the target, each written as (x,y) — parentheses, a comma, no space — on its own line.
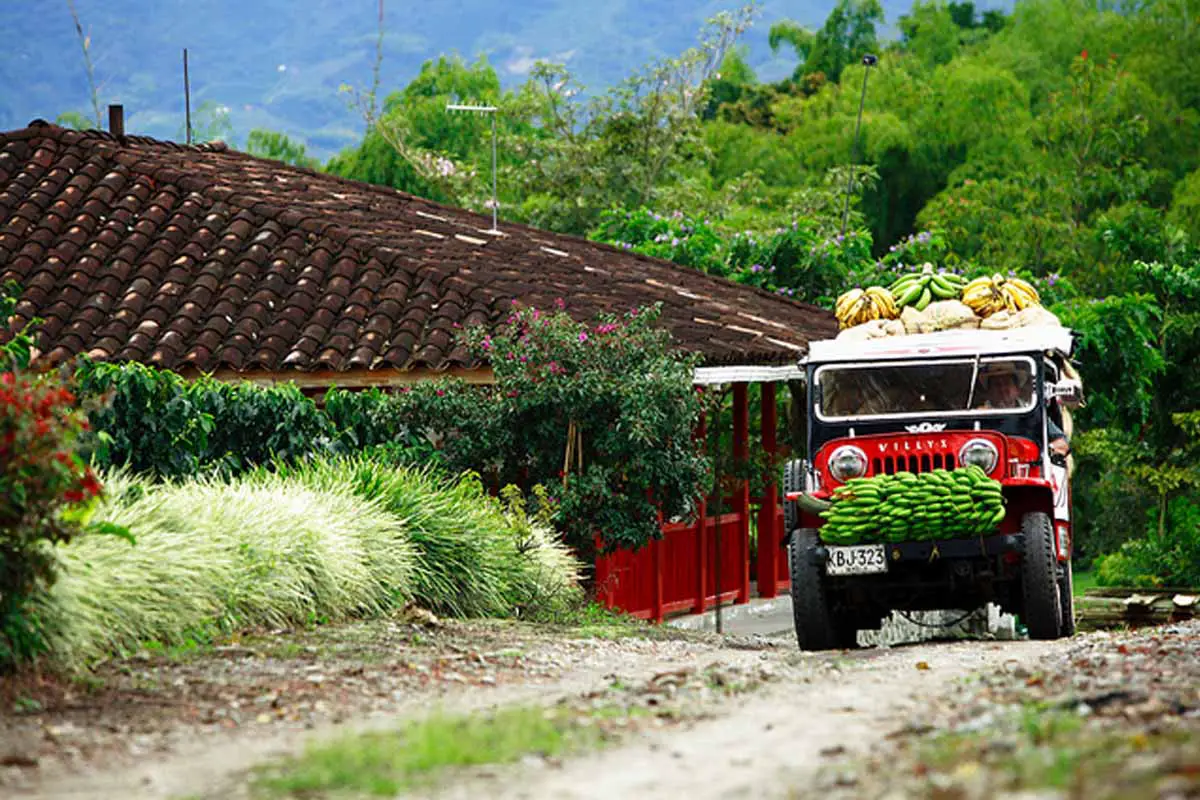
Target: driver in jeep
(1003,390)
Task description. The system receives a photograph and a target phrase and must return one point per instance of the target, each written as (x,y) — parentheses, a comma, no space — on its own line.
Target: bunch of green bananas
(919,289)
(906,507)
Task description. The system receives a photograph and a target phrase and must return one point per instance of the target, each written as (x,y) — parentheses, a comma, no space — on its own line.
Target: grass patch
(1082,581)
(1037,748)
(383,764)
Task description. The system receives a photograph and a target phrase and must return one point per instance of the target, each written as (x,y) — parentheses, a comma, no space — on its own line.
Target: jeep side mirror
(1067,391)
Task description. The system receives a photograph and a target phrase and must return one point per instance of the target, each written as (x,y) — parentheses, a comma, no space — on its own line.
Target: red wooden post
(604,588)
(701,538)
(768,533)
(741,449)
(656,560)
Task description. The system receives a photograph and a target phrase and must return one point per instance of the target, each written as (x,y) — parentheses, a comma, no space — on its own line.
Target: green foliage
(1118,356)
(16,351)
(800,260)
(1185,204)
(675,237)
(271,144)
(1171,560)
(155,422)
(848,34)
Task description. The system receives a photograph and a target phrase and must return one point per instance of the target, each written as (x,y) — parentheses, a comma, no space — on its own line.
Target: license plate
(860,559)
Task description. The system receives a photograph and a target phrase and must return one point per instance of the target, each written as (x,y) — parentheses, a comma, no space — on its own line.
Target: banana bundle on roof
(863,305)
(991,294)
(919,289)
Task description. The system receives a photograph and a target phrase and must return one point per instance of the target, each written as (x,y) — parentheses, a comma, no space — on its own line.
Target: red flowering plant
(43,486)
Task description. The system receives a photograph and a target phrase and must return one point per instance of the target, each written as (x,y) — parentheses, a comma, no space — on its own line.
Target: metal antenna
(187,99)
(485,110)
(868,61)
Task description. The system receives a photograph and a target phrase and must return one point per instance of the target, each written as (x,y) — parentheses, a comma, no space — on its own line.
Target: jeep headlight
(980,453)
(848,462)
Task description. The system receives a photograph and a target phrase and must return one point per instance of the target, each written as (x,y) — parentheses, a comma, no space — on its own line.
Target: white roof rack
(957,342)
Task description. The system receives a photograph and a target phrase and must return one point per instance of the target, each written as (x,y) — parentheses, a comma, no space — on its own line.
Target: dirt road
(803,726)
(772,743)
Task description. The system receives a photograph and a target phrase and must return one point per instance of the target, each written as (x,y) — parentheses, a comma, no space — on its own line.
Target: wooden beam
(353,379)
(769,551)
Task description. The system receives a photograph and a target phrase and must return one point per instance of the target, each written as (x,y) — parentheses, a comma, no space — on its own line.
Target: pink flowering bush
(602,414)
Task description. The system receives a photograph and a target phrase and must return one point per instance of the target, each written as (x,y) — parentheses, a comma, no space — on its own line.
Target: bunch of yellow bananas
(990,294)
(863,305)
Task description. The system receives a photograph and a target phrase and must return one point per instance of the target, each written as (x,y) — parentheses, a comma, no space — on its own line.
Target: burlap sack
(939,316)
(947,314)
(911,319)
(1031,316)
(875,329)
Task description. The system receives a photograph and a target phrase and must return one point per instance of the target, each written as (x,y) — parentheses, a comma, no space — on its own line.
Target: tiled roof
(205,258)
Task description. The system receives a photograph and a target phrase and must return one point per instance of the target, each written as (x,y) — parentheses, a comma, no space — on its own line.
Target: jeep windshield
(959,387)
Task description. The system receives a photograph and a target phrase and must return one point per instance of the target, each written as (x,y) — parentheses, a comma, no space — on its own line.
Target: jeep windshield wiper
(974,377)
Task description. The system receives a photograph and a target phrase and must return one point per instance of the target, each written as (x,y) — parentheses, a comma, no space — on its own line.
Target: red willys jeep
(940,401)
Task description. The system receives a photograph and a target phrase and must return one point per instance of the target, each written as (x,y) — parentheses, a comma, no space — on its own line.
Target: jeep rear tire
(1066,600)
(817,628)
(793,481)
(1042,603)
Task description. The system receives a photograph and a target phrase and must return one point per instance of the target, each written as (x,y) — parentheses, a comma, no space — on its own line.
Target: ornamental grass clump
(478,556)
(211,556)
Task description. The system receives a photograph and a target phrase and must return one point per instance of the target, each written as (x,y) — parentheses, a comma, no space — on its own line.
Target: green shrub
(155,422)
(1167,559)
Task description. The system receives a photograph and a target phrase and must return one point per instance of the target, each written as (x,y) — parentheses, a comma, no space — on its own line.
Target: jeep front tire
(817,628)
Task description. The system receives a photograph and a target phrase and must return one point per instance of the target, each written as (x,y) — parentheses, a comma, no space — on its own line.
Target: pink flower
(583,337)
(559,304)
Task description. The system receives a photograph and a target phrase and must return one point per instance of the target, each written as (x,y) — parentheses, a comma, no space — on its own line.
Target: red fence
(679,573)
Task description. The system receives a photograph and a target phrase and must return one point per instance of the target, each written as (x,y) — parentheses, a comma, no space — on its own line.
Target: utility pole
(868,61)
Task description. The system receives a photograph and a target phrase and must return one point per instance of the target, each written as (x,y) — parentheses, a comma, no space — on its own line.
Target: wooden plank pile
(1114,608)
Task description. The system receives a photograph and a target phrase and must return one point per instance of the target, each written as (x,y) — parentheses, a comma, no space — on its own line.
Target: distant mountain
(278,63)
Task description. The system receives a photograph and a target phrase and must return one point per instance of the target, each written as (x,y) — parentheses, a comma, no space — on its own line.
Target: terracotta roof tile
(133,248)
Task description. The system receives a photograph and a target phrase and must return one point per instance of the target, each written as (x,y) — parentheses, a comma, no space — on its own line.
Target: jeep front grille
(925,462)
